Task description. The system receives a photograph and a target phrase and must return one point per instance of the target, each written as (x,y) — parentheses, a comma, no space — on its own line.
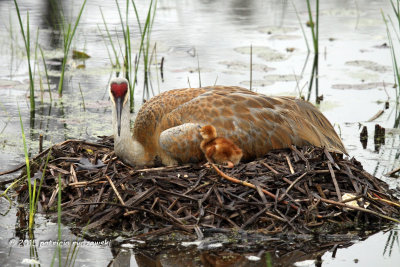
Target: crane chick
(219,149)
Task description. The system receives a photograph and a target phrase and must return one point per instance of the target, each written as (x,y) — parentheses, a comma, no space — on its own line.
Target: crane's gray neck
(125,147)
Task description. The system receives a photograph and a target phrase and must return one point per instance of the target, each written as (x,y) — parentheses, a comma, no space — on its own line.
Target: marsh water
(355,79)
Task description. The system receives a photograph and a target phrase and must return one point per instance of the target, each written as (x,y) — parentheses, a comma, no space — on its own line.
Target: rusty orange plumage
(166,126)
(218,149)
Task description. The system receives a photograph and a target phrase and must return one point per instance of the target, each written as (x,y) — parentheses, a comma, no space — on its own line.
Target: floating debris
(79,55)
(277,30)
(362,86)
(257,83)
(369,65)
(297,190)
(263,52)
(244,66)
(282,77)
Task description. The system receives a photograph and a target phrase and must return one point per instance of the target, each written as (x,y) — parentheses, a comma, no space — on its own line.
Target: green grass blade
(68,37)
(28,171)
(83,99)
(198,69)
(397,34)
(28,54)
(36,47)
(396,11)
(59,218)
(137,17)
(393,53)
(41,180)
(312,26)
(301,26)
(141,48)
(111,42)
(251,67)
(46,72)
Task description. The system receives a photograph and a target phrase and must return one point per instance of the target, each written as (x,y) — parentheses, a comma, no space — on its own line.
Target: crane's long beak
(118,105)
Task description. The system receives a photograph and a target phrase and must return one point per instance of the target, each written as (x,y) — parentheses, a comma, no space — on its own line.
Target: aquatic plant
(391,242)
(4,194)
(68,33)
(83,99)
(117,64)
(396,10)
(314,26)
(144,47)
(58,223)
(301,27)
(198,69)
(27,43)
(154,55)
(46,72)
(251,67)
(33,195)
(396,71)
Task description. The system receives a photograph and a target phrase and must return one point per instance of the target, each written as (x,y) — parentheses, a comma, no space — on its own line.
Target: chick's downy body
(219,150)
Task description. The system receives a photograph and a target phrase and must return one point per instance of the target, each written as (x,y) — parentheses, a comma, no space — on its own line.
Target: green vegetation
(314,26)
(396,73)
(33,194)
(58,223)
(130,64)
(68,33)
(27,42)
(46,72)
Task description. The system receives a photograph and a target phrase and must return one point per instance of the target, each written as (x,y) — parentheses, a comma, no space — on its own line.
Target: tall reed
(46,72)
(58,250)
(33,194)
(314,26)
(68,33)
(27,43)
(396,71)
(117,64)
(144,47)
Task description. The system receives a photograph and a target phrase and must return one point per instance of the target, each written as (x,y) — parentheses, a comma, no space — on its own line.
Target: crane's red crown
(119,89)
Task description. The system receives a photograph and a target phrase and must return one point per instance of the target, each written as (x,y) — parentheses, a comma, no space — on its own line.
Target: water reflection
(218,257)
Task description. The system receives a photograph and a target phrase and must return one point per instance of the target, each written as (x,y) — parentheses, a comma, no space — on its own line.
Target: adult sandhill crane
(166,128)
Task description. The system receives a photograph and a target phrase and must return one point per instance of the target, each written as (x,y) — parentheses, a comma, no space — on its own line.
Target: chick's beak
(118,105)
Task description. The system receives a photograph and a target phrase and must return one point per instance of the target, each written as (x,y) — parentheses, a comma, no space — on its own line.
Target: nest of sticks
(297,190)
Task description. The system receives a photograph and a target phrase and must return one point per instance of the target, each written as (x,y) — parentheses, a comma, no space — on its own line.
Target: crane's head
(119,95)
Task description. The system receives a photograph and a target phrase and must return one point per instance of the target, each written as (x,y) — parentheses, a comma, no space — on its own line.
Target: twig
(115,190)
(269,167)
(335,183)
(293,184)
(237,181)
(290,164)
(358,208)
(377,115)
(392,172)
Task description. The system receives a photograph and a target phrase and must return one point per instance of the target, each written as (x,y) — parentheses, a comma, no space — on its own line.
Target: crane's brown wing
(182,143)
(254,122)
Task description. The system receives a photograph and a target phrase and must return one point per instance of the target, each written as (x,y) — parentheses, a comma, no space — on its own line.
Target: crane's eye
(119,89)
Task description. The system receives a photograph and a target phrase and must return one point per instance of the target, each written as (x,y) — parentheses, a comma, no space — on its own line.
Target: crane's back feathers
(167,125)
